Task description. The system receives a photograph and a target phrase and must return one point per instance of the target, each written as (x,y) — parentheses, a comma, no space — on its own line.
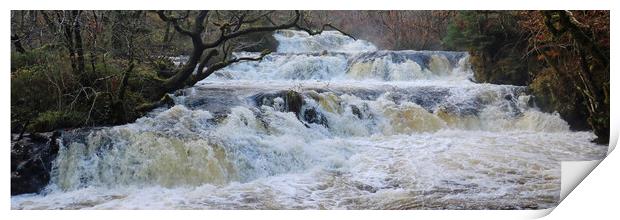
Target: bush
(47,95)
(34,57)
(20,60)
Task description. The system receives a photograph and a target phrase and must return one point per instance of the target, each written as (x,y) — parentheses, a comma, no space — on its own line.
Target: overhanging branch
(175,22)
(312,32)
(220,65)
(226,36)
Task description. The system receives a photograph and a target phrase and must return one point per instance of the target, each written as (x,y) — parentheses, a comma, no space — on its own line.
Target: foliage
(573,47)
(495,44)
(46,91)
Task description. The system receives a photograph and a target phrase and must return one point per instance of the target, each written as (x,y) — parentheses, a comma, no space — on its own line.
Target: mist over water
(326,122)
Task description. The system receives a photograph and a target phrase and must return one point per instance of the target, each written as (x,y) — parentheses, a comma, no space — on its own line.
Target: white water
(377,130)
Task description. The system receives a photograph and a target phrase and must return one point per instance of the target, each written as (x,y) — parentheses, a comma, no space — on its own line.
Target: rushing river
(326,122)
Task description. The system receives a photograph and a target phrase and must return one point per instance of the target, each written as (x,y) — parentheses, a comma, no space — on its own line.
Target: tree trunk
(17,43)
(68,32)
(79,49)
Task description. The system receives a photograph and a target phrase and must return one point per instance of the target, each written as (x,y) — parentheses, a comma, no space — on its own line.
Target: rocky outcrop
(291,101)
(312,116)
(31,161)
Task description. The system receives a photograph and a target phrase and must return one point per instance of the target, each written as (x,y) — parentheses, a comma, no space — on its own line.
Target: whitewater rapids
(326,122)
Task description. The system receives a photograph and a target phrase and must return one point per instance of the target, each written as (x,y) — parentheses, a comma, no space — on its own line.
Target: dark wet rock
(356,111)
(292,100)
(212,100)
(31,161)
(510,106)
(362,112)
(365,187)
(395,97)
(467,108)
(167,100)
(261,99)
(219,117)
(180,92)
(314,117)
(530,101)
(427,97)
(79,134)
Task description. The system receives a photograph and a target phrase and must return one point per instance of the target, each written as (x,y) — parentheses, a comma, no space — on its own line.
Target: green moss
(20,60)
(294,101)
(50,120)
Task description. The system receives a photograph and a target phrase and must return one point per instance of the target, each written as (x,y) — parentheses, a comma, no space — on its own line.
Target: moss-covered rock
(293,101)
(50,120)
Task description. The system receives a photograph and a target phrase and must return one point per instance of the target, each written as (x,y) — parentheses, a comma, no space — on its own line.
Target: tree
(495,43)
(587,44)
(73,68)
(214,34)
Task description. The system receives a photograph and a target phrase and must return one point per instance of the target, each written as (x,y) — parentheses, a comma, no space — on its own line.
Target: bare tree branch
(220,65)
(312,32)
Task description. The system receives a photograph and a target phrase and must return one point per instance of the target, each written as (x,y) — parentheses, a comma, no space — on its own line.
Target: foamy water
(375,130)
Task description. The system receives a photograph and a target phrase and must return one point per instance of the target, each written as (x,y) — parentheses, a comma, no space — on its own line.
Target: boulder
(356,111)
(31,161)
(313,117)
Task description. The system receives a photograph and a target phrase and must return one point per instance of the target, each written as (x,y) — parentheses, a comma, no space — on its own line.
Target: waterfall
(325,122)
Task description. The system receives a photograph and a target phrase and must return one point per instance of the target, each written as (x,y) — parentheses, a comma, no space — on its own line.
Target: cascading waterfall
(326,122)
